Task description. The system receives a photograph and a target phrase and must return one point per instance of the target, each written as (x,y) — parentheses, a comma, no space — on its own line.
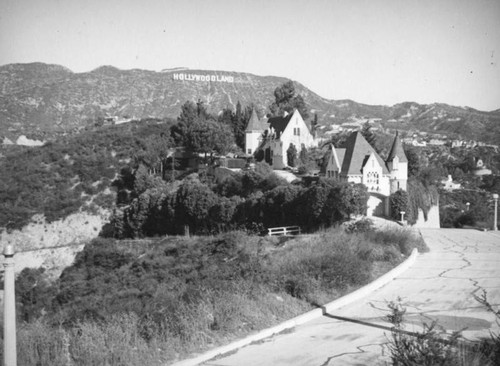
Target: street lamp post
(495,213)
(9,309)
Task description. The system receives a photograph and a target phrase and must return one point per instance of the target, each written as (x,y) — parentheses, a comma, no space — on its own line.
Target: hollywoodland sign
(206,78)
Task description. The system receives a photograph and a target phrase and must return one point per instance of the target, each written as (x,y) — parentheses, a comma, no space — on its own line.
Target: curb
(304,318)
(367,289)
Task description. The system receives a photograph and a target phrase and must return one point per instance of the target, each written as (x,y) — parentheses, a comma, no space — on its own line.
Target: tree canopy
(368,134)
(286,100)
(201,132)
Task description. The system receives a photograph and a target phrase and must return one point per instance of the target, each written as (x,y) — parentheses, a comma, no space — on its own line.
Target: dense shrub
(151,300)
(465,219)
(420,197)
(57,179)
(242,201)
(453,208)
(404,239)
(399,202)
(359,226)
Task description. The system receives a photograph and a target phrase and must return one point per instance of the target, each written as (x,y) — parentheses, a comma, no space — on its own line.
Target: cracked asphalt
(440,286)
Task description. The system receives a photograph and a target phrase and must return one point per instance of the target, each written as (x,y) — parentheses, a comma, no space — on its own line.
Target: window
(249,151)
(296,131)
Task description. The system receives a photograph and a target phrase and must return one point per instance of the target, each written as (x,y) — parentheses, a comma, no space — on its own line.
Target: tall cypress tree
(368,134)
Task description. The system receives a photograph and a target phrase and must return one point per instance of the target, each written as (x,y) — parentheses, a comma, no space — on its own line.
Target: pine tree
(314,124)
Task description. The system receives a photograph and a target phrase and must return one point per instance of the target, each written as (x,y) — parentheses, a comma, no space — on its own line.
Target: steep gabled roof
(255,124)
(340,156)
(279,124)
(397,150)
(357,151)
(336,154)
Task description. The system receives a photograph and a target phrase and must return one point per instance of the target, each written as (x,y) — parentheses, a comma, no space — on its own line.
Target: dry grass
(243,284)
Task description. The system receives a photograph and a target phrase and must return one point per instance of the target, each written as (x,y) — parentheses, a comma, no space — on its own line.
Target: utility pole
(9,309)
(495,213)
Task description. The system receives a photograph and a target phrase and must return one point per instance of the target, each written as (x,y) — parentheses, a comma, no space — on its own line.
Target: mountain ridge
(38,99)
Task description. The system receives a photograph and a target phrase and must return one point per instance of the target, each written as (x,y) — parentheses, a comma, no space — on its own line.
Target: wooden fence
(284,230)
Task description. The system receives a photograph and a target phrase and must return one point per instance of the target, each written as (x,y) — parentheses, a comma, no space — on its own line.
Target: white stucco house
(277,137)
(358,162)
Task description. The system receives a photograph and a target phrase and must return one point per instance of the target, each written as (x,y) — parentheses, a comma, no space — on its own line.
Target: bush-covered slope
(158,300)
(71,173)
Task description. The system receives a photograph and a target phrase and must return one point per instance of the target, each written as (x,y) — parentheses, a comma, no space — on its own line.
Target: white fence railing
(284,230)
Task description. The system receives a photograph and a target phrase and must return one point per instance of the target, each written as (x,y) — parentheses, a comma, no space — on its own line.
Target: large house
(358,162)
(276,135)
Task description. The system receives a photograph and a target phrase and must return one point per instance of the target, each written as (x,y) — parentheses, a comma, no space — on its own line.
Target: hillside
(158,300)
(71,174)
(40,100)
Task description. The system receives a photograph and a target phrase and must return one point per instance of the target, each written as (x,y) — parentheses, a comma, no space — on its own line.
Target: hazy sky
(374,51)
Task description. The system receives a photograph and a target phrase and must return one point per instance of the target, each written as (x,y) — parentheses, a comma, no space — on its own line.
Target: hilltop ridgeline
(39,100)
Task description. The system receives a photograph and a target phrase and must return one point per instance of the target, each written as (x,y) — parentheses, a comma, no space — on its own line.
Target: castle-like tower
(397,163)
(253,133)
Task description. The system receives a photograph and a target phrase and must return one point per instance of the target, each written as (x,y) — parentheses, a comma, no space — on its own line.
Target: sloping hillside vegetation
(77,172)
(73,172)
(157,300)
(251,200)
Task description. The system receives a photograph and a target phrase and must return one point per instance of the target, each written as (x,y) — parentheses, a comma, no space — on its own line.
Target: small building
(449,185)
(481,168)
(437,142)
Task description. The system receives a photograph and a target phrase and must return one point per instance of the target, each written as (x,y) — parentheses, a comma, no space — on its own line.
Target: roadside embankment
(53,245)
(301,319)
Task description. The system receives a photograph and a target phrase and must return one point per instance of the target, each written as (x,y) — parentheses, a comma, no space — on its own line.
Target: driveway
(439,286)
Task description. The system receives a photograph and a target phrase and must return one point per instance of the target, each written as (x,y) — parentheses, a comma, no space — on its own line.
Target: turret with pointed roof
(253,132)
(397,150)
(256,124)
(397,163)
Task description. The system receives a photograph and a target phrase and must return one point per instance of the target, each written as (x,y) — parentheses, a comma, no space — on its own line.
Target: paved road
(439,286)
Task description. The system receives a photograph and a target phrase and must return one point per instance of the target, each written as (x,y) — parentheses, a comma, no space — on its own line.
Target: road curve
(440,286)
